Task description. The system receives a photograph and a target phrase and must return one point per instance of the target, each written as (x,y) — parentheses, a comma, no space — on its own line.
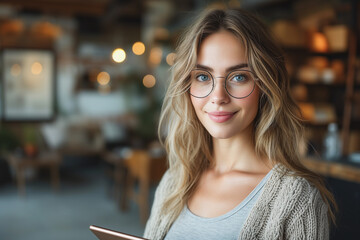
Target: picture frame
(28,85)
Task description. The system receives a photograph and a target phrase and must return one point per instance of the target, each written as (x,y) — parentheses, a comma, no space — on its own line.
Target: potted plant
(30,141)
(8,143)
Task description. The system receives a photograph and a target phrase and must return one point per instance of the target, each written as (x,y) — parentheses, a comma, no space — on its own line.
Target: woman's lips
(221,117)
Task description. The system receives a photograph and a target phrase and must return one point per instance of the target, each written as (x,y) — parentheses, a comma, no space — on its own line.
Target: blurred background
(81,87)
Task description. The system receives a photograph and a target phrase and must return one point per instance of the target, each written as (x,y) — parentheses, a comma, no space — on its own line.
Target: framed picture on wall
(28,85)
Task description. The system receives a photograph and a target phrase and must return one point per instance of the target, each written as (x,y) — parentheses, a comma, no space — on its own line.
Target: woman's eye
(239,78)
(202,78)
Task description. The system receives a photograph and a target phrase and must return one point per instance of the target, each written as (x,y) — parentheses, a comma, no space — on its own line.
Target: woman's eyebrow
(242,65)
(204,67)
(229,69)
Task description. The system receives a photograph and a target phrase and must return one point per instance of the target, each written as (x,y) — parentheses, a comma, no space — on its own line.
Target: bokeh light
(170,58)
(319,42)
(119,55)
(36,68)
(155,56)
(149,81)
(103,78)
(138,48)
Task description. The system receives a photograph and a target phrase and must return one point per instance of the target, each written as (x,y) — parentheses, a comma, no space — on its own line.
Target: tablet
(107,234)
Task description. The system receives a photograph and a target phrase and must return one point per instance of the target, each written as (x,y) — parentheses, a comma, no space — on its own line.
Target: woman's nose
(219,94)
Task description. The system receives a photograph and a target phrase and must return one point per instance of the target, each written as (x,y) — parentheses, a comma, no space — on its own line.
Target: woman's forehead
(221,50)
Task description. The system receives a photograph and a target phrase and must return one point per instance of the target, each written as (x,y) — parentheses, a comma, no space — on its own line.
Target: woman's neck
(238,154)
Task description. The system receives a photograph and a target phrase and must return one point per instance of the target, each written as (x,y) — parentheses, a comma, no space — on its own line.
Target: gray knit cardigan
(288,208)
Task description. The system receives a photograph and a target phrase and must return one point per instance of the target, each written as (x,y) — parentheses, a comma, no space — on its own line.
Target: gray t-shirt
(227,226)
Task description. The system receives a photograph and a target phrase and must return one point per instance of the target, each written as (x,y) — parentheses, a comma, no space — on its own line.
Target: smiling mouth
(220,117)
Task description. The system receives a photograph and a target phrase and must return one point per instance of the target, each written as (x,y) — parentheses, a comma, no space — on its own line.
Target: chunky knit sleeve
(309,219)
(289,208)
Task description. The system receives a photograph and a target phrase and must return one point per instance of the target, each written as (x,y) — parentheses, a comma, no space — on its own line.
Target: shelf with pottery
(326,87)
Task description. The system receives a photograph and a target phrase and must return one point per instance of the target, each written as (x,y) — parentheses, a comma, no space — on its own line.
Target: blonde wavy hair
(278,127)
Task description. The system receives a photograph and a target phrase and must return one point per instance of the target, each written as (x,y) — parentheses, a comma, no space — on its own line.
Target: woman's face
(222,115)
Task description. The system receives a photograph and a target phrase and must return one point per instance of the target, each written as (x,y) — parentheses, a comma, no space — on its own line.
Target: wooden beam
(63,7)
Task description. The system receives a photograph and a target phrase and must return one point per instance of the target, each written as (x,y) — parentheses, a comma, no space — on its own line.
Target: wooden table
(337,169)
(48,160)
(136,167)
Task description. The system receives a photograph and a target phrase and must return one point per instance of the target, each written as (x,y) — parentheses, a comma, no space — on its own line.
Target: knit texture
(289,208)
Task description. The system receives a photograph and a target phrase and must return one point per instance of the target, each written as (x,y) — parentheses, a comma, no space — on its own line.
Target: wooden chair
(118,173)
(50,160)
(144,170)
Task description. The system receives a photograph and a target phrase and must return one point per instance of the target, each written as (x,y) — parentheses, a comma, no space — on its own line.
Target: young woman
(232,137)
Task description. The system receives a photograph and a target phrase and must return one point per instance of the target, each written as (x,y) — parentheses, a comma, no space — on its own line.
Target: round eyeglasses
(238,84)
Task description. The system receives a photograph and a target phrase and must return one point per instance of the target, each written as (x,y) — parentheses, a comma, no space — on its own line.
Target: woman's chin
(221,135)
